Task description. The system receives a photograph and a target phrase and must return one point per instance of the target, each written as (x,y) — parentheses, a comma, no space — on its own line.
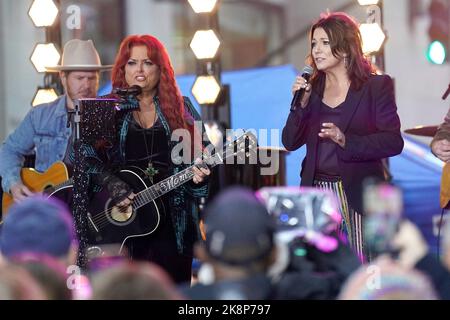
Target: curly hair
(171,100)
(168,92)
(344,35)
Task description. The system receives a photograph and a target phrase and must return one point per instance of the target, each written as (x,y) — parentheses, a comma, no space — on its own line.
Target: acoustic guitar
(53,180)
(107,224)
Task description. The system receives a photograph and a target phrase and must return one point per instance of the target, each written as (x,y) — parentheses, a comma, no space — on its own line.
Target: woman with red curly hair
(147,140)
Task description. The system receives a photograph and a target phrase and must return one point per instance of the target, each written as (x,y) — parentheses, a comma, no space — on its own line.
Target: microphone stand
(446,93)
(80,183)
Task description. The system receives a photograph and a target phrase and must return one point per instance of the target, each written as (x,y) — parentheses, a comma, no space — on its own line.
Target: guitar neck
(163,187)
(172,182)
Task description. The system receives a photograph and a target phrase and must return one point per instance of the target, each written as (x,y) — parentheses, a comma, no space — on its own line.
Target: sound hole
(47,188)
(119,217)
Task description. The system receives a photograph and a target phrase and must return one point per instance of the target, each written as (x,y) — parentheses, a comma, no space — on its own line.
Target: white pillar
(18,79)
(2,82)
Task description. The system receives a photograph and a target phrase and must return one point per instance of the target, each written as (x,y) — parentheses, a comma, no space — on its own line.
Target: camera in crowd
(307,220)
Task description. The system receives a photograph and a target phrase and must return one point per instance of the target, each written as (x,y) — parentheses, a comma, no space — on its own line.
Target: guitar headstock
(246,148)
(243,148)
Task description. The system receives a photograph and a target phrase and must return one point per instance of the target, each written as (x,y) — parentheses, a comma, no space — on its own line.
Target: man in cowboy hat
(44,129)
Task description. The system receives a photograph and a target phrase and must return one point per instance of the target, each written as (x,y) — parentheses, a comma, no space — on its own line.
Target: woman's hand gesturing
(331,131)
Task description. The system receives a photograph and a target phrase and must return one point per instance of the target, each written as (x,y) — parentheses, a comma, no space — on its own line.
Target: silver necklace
(150,171)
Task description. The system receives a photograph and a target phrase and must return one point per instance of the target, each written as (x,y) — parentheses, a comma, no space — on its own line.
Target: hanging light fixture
(368,2)
(44,95)
(44,55)
(43,13)
(206,89)
(205,44)
(202,6)
(373,37)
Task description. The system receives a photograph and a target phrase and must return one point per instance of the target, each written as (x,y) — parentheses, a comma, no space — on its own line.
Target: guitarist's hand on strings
(119,191)
(200,171)
(19,191)
(124,204)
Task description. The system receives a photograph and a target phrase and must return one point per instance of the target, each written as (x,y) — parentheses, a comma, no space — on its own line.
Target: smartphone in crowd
(383,211)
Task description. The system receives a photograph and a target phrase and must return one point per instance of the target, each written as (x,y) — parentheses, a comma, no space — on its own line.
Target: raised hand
(331,131)
(200,171)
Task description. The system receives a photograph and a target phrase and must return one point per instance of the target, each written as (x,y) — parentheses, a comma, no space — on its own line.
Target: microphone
(134,90)
(298,95)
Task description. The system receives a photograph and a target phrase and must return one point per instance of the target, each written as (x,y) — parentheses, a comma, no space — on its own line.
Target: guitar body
(109,225)
(445,186)
(37,181)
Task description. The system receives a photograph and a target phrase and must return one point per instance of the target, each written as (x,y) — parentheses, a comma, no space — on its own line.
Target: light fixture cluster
(205,44)
(43,13)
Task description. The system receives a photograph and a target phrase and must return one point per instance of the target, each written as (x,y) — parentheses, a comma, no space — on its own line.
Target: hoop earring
(346,61)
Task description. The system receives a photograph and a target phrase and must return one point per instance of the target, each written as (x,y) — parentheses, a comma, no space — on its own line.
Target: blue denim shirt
(43,131)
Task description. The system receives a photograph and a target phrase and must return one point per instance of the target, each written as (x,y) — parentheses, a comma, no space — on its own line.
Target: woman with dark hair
(347,118)
(148,138)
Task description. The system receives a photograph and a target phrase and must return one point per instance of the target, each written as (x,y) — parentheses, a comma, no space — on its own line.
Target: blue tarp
(260,99)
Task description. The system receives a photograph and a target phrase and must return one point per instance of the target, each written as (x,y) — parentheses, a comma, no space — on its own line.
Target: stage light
(44,95)
(43,13)
(438,32)
(436,53)
(202,6)
(372,36)
(368,2)
(206,89)
(205,44)
(44,55)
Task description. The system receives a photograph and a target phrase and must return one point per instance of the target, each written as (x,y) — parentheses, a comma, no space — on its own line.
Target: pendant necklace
(150,171)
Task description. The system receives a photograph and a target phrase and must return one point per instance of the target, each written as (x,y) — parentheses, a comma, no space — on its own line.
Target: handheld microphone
(298,95)
(134,90)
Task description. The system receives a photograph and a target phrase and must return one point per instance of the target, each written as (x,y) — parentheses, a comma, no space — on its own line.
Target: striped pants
(352,221)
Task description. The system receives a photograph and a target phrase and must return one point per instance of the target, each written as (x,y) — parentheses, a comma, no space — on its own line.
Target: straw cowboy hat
(79,55)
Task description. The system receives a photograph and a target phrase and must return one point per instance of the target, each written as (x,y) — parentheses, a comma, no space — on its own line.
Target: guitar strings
(101,219)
